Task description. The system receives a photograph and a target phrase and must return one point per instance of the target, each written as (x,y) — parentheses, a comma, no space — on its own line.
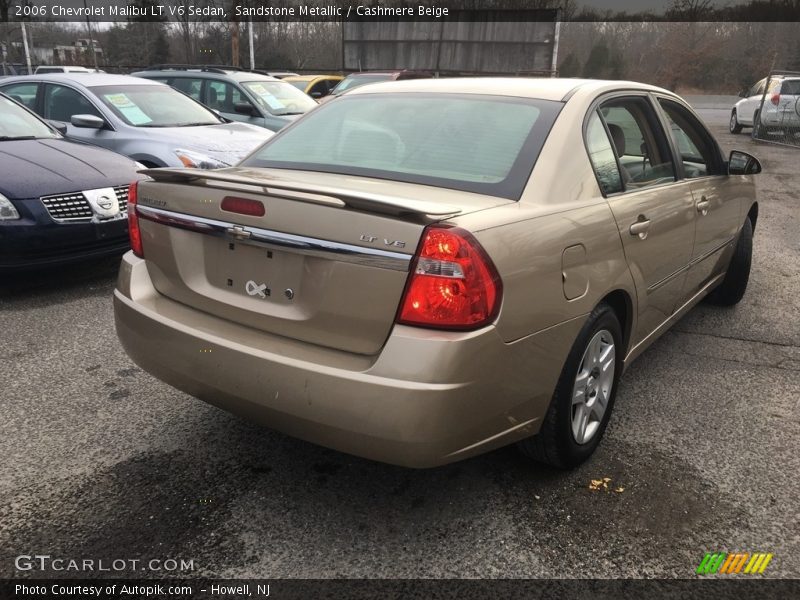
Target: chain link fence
(777,109)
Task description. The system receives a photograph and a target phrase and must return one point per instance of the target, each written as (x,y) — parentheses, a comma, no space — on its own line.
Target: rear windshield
(791,87)
(481,144)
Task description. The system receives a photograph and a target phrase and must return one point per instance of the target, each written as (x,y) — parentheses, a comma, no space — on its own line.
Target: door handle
(702,206)
(641,227)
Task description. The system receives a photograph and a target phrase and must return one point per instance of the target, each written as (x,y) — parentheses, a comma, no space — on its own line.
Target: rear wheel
(733,287)
(734,123)
(584,396)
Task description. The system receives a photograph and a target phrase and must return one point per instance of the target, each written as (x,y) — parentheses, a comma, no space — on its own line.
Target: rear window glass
(482,144)
(791,88)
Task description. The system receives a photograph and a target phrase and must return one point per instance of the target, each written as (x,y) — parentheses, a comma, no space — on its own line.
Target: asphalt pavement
(102,461)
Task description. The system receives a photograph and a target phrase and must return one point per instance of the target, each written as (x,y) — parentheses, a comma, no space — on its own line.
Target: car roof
(310,77)
(206,74)
(391,72)
(544,88)
(88,80)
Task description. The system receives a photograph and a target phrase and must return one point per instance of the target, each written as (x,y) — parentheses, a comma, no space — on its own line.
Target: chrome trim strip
(710,252)
(667,279)
(373,257)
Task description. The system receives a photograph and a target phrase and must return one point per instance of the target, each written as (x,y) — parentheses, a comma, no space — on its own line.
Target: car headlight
(195,160)
(7,210)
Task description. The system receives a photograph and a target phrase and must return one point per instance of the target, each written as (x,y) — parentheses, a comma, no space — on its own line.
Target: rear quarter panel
(561,208)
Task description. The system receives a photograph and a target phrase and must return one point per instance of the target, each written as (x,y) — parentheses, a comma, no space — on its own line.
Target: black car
(60,201)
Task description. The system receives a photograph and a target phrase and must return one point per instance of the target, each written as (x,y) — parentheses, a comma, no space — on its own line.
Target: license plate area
(254,273)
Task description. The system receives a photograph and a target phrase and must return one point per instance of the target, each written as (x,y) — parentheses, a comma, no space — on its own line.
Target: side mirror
(87,121)
(743,94)
(316,95)
(245,108)
(742,163)
(58,126)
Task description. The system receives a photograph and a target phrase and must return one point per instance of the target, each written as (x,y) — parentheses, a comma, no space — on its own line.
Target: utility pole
(91,41)
(25,46)
(235,40)
(252,50)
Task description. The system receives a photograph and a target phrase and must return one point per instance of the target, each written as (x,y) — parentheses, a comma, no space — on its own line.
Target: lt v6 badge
(372,239)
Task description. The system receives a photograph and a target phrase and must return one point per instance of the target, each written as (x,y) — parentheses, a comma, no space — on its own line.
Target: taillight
(776,98)
(134,232)
(454,284)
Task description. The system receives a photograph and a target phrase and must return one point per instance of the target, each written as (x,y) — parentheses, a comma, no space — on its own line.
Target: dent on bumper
(428,398)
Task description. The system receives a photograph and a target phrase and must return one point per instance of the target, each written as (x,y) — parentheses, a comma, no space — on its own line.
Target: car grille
(76,208)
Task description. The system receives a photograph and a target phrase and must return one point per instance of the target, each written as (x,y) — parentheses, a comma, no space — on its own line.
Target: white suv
(781,108)
(47,69)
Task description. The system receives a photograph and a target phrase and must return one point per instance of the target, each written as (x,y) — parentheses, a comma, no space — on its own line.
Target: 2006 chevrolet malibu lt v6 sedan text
(425,270)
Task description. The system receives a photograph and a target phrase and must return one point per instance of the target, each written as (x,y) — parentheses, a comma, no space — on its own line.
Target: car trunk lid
(326,263)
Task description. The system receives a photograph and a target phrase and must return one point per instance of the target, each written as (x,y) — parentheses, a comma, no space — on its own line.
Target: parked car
(425,270)
(11,69)
(280,74)
(781,109)
(316,86)
(238,95)
(45,69)
(355,80)
(145,120)
(59,201)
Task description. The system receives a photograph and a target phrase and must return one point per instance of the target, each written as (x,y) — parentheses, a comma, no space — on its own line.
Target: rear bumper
(427,399)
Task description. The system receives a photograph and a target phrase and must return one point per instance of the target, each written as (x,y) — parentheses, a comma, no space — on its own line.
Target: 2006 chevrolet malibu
(425,270)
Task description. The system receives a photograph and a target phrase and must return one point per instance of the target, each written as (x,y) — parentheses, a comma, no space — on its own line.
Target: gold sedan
(426,270)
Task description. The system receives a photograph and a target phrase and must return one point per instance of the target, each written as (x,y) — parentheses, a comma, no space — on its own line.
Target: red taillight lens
(134,232)
(454,284)
(243,206)
(776,98)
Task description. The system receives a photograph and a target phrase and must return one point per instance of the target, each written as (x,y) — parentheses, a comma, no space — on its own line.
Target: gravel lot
(103,461)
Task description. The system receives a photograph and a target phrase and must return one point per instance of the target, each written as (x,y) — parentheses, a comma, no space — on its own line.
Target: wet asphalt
(102,461)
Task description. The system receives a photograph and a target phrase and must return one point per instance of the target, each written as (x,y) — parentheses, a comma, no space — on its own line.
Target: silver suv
(148,121)
(251,97)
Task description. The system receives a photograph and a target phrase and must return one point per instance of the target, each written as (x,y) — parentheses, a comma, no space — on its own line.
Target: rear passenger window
(791,88)
(639,143)
(697,149)
(602,156)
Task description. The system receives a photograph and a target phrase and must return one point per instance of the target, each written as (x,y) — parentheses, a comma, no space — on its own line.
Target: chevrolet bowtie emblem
(240,233)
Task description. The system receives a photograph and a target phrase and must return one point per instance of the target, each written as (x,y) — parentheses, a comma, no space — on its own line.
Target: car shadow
(49,285)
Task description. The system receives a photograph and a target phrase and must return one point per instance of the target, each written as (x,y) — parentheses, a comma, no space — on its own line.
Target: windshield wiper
(14,138)
(290,113)
(198,124)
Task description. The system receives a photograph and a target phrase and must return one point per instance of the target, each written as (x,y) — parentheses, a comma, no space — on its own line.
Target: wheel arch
(752,214)
(622,304)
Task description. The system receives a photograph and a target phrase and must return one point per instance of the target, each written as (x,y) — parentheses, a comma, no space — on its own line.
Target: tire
(734,125)
(733,287)
(557,443)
